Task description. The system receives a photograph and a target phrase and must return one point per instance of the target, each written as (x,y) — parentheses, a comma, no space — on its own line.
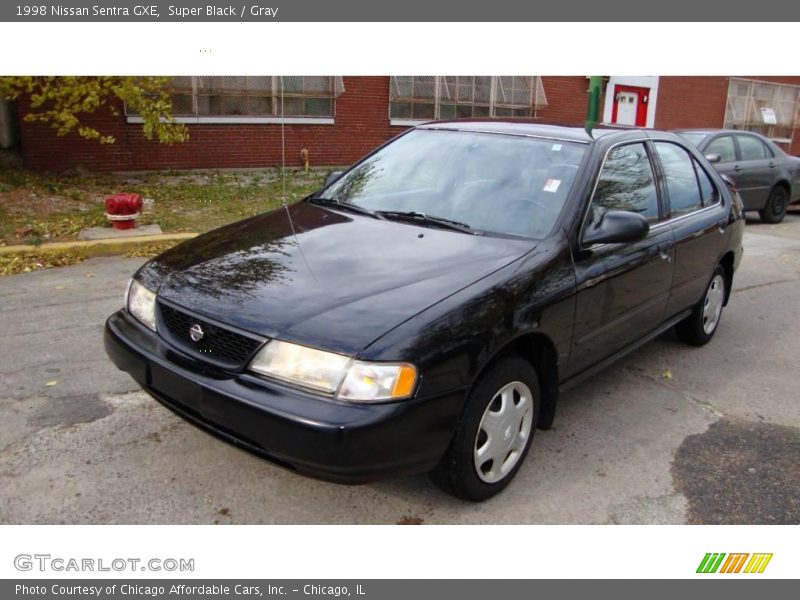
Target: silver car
(767,178)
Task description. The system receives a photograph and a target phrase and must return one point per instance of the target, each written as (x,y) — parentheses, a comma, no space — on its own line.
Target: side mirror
(617,227)
(713,158)
(332,176)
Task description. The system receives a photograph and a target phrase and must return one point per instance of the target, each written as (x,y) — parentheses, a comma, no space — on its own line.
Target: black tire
(695,329)
(457,473)
(775,210)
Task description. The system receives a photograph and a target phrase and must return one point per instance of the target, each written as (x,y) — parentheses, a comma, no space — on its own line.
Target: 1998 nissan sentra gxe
(422,310)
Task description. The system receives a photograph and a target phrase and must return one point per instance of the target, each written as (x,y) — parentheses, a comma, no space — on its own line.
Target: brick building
(236,122)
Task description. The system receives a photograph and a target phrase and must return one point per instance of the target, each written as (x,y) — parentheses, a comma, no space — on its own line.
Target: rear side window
(626,183)
(708,192)
(751,148)
(724,147)
(681,179)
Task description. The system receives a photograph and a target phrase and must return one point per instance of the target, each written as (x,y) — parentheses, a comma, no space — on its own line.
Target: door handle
(665,252)
(771,165)
(737,168)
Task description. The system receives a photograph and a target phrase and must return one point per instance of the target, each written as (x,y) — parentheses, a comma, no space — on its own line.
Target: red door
(630,105)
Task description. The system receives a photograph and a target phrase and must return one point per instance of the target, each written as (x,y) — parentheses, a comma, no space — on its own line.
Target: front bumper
(320,437)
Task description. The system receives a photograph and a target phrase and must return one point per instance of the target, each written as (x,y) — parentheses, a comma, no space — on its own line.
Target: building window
(430,97)
(258,97)
(771,109)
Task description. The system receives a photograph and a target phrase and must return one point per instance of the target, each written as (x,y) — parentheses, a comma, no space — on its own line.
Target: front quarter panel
(453,341)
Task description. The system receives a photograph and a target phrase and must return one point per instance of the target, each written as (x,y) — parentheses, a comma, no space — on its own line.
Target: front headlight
(142,304)
(304,366)
(335,374)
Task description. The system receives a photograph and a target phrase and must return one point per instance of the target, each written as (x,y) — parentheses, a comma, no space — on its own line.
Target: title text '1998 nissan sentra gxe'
(422,310)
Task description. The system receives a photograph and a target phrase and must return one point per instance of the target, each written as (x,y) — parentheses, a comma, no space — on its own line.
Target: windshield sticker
(556,148)
(551,185)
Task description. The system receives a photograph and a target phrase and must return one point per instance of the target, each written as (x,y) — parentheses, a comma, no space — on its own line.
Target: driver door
(622,289)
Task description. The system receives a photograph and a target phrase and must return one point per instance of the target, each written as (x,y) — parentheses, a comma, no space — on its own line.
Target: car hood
(323,278)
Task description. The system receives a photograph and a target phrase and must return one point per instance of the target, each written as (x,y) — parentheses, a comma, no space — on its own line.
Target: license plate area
(175,387)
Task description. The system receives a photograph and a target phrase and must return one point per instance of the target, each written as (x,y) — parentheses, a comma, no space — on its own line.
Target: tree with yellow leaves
(64,101)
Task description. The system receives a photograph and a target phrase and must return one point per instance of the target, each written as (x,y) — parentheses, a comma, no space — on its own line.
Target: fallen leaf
(667,374)
(61,287)
(408,520)
(89,274)
(51,383)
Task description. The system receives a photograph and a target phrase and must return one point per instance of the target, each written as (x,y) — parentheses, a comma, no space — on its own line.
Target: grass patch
(37,208)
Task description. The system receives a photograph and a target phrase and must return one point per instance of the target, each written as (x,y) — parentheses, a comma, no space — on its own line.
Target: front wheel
(775,209)
(699,327)
(494,433)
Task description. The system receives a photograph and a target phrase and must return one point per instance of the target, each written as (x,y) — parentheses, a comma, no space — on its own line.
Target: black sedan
(767,178)
(422,311)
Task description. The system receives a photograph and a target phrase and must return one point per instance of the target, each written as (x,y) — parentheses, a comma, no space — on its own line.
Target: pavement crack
(704,405)
(762,285)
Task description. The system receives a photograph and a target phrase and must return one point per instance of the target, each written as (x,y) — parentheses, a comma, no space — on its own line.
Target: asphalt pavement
(671,434)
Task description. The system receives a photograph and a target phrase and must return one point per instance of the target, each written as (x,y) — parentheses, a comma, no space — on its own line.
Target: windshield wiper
(419,217)
(346,206)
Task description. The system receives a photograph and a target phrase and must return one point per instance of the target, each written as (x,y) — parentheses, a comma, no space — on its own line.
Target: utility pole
(593,104)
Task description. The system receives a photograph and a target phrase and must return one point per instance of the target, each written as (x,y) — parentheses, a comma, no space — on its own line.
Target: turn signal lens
(367,382)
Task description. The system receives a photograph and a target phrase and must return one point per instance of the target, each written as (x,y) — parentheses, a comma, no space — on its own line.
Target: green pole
(593,104)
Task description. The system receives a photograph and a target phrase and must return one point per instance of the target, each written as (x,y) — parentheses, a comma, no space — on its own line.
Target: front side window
(695,137)
(626,183)
(723,146)
(681,178)
(751,148)
(494,183)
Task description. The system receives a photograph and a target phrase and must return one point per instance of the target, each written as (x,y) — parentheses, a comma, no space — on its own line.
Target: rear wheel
(699,327)
(494,434)
(775,209)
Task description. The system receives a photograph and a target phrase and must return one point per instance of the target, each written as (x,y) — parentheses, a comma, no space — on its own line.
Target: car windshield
(694,137)
(485,182)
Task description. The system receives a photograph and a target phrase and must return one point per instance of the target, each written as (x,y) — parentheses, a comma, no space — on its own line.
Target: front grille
(218,344)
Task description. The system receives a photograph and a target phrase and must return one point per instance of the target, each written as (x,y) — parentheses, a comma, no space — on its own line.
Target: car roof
(712,131)
(559,132)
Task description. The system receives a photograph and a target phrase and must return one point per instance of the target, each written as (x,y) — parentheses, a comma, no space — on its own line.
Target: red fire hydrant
(122,210)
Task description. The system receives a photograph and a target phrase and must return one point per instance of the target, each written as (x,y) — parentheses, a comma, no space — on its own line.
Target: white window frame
(442,95)
(751,119)
(274,118)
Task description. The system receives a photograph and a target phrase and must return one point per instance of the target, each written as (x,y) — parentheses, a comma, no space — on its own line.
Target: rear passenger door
(698,221)
(622,288)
